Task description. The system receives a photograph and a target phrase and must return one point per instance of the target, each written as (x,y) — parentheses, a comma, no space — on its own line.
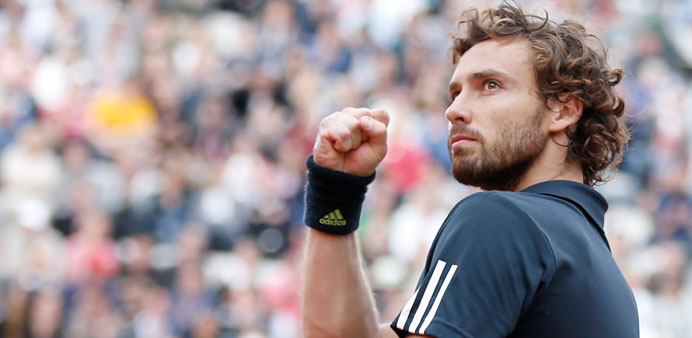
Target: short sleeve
(487,264)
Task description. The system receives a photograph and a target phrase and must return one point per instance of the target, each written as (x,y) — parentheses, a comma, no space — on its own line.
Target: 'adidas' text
(332,221)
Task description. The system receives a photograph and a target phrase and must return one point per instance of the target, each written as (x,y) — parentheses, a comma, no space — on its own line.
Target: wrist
(333,199)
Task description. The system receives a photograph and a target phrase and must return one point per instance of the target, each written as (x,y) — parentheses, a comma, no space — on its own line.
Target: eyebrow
(486,73)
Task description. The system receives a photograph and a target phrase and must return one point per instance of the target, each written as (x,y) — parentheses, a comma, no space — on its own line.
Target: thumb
(375,131)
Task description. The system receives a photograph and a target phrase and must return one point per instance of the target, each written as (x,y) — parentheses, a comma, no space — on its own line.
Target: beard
(499,165)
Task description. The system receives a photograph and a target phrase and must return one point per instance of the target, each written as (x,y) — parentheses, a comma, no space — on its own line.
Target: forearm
(337,301)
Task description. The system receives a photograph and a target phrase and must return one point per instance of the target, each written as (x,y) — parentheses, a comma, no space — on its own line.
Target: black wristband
(333,199)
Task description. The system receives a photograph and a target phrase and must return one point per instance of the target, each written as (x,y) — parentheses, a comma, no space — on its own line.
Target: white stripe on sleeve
(438,299)
(403,316)
(429,290)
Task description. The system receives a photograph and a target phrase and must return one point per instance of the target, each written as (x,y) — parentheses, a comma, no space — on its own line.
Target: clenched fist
(353,140)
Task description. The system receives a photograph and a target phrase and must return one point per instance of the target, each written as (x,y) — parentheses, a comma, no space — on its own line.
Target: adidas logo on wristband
(333,218)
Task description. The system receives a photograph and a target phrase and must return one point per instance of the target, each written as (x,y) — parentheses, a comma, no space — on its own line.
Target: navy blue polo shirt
(534,263)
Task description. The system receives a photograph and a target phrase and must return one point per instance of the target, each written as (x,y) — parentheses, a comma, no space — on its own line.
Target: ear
(564,112)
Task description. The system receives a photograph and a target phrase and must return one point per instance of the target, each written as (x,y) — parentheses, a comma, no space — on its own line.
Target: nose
(458,112)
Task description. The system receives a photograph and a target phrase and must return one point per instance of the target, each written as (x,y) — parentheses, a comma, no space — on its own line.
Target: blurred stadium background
(152,156)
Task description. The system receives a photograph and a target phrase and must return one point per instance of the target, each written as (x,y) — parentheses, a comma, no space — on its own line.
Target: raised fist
(353,140)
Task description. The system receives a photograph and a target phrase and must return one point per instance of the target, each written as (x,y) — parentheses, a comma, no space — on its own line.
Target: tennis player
(535,122)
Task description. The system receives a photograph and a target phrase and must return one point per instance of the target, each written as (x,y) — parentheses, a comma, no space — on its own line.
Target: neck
(550,165)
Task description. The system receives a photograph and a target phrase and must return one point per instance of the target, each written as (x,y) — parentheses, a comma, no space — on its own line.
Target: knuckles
(346,117)
(344,124)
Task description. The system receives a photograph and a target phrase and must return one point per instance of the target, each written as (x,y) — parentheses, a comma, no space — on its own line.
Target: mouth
(461,140)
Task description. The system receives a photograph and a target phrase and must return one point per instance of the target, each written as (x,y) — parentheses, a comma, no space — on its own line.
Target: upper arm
(482,273)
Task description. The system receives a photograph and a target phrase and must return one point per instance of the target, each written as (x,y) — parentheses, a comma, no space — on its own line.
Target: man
(535,121)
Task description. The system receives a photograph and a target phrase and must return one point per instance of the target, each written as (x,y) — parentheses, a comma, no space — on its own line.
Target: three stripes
(420,309)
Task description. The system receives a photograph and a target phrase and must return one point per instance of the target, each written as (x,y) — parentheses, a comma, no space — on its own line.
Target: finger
(357,112)
(375,130)
(357,136)
(380,115)
(348,119)
(324,151)
(340,136)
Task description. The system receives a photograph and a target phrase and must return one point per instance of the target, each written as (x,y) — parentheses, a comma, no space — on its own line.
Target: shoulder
(495,218)
(493,207)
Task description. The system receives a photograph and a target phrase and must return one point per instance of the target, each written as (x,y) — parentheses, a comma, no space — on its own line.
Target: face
(497,120)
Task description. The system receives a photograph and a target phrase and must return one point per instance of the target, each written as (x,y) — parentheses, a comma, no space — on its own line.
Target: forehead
(513,58)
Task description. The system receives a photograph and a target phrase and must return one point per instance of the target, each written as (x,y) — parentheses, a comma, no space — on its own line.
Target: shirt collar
(589,200)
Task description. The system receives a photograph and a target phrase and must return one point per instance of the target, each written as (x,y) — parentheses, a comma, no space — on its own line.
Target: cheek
(512,112)
(502,133)
(499,125)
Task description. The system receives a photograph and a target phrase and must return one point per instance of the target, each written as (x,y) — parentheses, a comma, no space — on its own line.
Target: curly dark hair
(569,63)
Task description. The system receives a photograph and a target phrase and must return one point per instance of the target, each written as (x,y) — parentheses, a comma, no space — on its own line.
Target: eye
(452,95)
(491,85)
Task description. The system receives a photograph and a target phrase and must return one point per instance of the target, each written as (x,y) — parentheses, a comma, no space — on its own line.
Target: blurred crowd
(152,156)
